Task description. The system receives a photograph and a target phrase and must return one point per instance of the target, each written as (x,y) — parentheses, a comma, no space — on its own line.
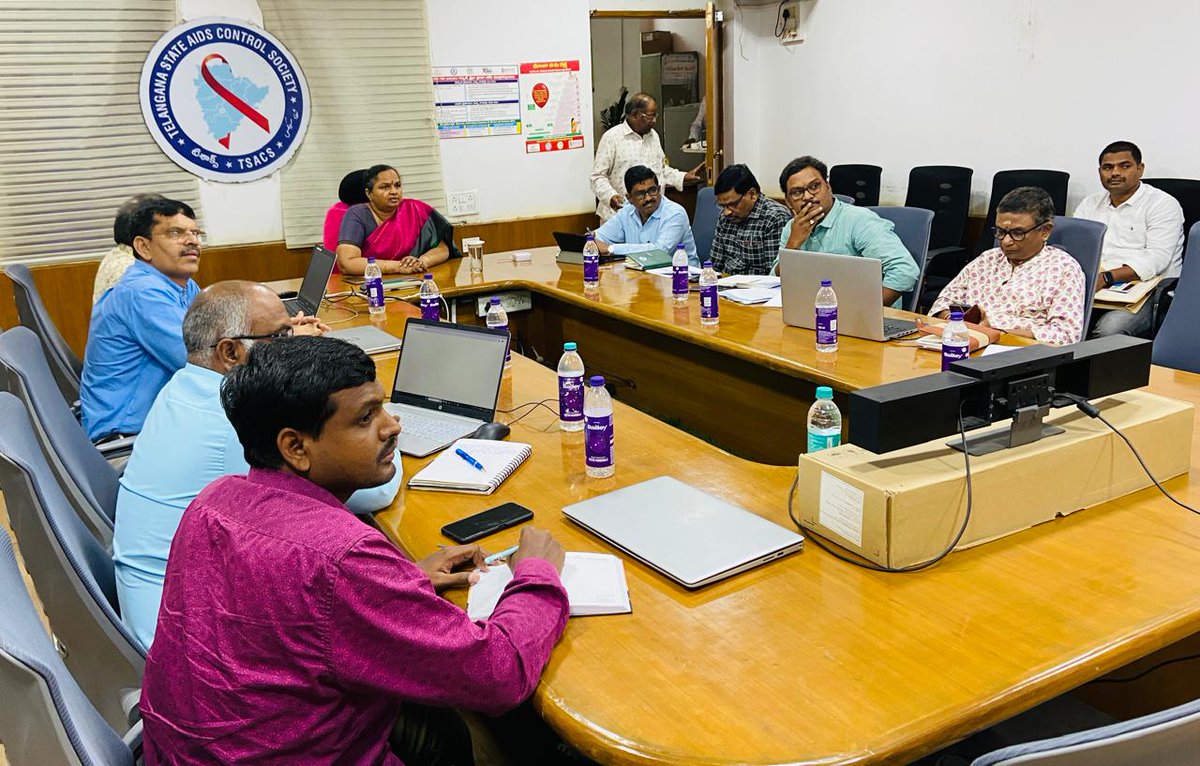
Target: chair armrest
(116,448)
(951,250)
(133,740)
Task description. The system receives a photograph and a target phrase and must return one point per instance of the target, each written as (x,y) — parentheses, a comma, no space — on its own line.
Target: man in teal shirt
(822,223)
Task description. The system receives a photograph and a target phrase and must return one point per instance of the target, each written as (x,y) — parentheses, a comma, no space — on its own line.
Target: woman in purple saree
(405,236)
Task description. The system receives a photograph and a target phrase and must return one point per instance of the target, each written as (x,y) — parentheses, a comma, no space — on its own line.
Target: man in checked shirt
(747,236)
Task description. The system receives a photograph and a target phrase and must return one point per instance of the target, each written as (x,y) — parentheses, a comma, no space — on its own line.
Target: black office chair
(859,182)
(946,190)
(67,368)
(1053,181)
(1187,192)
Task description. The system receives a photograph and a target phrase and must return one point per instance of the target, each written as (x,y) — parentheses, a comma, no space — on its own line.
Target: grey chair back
(45,716)
(845,198)
(1177,343)
(860,183)
(67,368)
(1084,240)
(913,225)
(71,570)
(1167,738)
(88,480)
(704,225)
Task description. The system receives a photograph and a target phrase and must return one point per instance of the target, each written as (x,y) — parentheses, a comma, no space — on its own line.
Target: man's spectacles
(178,235)
(1016,234)
(651,192)
(813,188)
(284,333)
(731,206)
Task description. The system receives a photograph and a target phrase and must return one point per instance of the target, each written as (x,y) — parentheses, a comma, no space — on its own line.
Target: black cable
(864,563)
(1145,672)
(532,407)
(780,20)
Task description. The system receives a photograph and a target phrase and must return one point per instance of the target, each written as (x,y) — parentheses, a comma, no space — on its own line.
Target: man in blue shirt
(648,221)
(135,341)
(187,442)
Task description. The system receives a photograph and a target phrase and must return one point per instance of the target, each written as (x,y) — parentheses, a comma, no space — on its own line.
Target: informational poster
(474,101)
(550,107)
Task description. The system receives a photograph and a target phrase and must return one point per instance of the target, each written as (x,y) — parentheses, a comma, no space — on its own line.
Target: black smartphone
(486,522)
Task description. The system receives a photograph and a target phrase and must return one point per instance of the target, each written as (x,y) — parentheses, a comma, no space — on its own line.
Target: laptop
(688,535)
(370,339)
(570,249)
(447,383)
(857,282)
(312,289)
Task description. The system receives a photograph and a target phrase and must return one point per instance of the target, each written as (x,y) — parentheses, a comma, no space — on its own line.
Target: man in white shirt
(633,142)
(1144,238)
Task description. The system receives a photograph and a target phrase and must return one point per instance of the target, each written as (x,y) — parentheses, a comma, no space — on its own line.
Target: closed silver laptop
(858,282)
(367,337)
(685,533)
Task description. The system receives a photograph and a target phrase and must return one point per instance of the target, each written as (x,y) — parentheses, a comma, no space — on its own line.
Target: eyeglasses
(731,206)
(1016,234)
(651,192)
(284,333)
(813,188)
(177,235)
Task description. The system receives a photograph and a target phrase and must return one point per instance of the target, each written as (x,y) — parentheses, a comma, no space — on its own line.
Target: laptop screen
(312,289)
(450,368)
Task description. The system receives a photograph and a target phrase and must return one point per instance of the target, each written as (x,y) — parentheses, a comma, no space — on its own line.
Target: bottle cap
(370,259)
(708,264)
(826,283)
(429,276)
(596,381)
(824,392)
(569,346)
(680,246)
(590,236)
(956,316)
(495,299)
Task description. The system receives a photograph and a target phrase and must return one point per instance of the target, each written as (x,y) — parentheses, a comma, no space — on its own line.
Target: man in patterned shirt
(1024,287)
(747,236)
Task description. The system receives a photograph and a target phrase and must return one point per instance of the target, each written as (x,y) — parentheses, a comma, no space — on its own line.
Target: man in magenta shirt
(290,631)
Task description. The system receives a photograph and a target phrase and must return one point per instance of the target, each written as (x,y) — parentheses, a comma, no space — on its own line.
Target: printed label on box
(841,508)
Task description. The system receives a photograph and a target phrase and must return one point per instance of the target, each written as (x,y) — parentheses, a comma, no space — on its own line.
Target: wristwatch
(1108,278)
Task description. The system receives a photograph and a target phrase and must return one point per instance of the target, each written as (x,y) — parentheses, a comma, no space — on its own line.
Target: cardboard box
(904,507)
(657,42)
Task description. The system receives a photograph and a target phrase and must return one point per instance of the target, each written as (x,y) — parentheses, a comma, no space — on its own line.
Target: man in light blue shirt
(822,223)
(648,221)
(187,442)
(135,340)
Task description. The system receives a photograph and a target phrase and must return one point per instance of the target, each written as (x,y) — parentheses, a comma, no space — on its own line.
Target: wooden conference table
(807,659)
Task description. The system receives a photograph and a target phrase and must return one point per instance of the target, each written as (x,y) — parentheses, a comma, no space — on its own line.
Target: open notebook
(595,584)
(449,472)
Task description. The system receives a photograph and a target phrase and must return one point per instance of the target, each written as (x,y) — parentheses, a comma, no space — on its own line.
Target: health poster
(473,101)
(550,106)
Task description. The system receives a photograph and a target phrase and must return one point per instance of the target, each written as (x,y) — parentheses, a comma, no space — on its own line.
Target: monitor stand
(1027,427)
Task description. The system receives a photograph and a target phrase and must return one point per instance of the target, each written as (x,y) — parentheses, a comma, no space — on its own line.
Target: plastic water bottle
(497,319)
(373,284)
(431,299)
(826,305)
(824,421)
(570,389)
(679,275)
(598,422)
(710,312)
(591,263)
(956,340)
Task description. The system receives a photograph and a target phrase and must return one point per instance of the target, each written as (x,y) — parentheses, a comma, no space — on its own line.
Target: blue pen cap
(569,346)
(824,392)
(596,381)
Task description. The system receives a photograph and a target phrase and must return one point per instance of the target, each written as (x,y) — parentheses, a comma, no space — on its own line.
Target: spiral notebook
(450,472)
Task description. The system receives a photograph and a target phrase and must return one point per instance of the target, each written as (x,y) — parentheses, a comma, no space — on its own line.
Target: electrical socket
(518,300)
(789,16)
(463,203)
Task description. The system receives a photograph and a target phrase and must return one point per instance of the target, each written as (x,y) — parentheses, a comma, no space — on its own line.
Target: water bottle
(956,340)
(497,319)
(710,312)
(824,421)
(373,284)
(591,263)
(826,304)
(598,422)
(679,275)
(431,299)
(570,389)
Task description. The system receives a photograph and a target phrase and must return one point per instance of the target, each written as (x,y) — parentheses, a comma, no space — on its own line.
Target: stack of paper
(749,280)
(595,584)
(1130,296)
(749,296)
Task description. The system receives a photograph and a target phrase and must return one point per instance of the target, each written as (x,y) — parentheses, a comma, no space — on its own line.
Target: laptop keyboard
(898,328)
(432,428)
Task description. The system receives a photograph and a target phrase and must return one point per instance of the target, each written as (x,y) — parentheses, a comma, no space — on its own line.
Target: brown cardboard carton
(657,42)
(905,507)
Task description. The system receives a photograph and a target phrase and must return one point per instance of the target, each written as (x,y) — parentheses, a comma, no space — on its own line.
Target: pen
(469,459)
(501,555)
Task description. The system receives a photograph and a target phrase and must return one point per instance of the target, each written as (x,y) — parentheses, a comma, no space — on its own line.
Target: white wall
(992,86)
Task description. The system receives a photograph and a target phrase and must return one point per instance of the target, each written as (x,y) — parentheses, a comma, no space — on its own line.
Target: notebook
(595,584)
(450,472)
(648,259)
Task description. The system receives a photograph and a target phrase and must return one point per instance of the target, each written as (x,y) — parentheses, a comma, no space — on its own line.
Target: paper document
(749,280)
(996,349)
(666,271)
(1127,292)
(749,296)
(595,584)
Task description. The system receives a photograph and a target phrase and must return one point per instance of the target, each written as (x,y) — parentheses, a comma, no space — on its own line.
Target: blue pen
(500,555)
(478,465)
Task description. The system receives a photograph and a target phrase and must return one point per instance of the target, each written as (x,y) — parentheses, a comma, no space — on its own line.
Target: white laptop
(447,383)
(312,289)
(688,535)
(858,282)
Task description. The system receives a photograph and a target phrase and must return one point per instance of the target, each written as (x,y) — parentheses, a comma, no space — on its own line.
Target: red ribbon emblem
(255,116)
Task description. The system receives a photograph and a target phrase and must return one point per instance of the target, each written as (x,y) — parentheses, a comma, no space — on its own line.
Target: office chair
(46,718)
(704,225)
(1053,181)
(946,190)
(80,468)
(350,192)
(912,227)
(72,572)
(845,198)
(1186,191)
(1176,344)
(1084,240)
(858,182)
(67,368)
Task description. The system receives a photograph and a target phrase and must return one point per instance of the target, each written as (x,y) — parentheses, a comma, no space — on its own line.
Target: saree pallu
(414,229)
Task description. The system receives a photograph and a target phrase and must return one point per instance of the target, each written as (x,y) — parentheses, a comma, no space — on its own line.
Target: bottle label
(818,441)
(570,398)
(952,352)
(431,309)
(591,268)
(375,292)
(708,302)
(827,325)
(679,280)
(599,444)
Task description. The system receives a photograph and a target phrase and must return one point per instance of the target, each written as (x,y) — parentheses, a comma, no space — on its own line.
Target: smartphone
(971,313)
(486,522)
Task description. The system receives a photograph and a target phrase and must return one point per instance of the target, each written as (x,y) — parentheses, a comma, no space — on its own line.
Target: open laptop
(570,249)
(447,383)
(857,282)
(312,289)
(688,535)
